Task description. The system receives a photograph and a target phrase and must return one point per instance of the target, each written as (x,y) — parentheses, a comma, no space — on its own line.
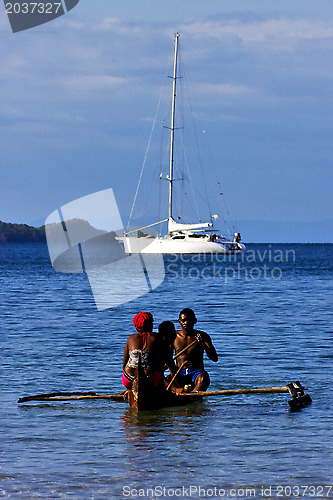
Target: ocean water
(270,318)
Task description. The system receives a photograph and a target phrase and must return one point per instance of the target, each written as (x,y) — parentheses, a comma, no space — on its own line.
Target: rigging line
(200,196)
(148,204)
(146,154)
(226,209)
(197,147)
(223,204)
(191,184)
(182,135)
(192,206)
(215,175)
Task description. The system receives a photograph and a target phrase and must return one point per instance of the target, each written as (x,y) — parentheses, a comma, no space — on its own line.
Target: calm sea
(269,315)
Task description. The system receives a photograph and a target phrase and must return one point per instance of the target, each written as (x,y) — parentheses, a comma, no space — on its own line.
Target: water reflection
(177,419)
(154,441)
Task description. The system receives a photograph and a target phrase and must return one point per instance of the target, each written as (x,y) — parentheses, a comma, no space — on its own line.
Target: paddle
(175,375)
(185,349)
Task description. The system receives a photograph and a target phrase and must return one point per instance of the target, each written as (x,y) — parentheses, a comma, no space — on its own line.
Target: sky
(78,98)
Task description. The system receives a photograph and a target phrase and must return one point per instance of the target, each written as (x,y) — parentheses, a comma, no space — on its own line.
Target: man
(193,372)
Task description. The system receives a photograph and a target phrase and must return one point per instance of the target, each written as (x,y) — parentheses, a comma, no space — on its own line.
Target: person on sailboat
(142,345)
(237,238)
(193,373)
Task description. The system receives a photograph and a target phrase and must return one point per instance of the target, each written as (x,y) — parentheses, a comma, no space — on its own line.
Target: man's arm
(206,342)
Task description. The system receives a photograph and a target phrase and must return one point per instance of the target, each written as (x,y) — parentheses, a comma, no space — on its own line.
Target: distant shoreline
(21,233)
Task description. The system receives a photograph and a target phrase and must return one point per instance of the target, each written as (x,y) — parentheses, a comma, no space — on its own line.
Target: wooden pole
(67,396)
(230,392)
(175,375)
(185,349)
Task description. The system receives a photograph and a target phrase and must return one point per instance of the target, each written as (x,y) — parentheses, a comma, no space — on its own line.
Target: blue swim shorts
(191,373)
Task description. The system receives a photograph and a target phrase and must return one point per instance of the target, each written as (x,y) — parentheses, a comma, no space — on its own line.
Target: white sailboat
(199,238)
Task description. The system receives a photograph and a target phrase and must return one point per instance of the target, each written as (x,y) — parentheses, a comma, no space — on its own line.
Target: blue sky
(78,97)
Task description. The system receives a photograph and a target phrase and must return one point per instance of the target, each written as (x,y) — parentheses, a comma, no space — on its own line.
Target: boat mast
(172,127)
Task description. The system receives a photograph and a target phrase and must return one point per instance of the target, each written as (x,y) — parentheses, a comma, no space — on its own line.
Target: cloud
(90,83)
(279,32)
(115,25)
(81,92)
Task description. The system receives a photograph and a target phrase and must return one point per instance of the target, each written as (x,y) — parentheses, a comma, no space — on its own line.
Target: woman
(142,345)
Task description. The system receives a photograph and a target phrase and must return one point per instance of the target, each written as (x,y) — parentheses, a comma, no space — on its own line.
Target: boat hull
(144,396)
(155,399)
(169,246)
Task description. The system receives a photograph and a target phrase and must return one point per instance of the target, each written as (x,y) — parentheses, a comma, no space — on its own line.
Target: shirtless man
(193,372)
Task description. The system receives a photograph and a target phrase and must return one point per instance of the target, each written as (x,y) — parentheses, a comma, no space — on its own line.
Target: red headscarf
(142,321)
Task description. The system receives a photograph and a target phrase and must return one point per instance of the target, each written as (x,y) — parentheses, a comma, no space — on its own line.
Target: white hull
(134,245)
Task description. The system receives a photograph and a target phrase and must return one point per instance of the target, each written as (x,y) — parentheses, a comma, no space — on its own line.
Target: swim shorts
(191,374)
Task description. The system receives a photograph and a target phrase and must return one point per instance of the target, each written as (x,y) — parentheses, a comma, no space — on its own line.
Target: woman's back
(144,340)
(141,346)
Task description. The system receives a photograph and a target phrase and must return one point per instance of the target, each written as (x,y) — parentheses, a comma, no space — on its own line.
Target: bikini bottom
(127,379)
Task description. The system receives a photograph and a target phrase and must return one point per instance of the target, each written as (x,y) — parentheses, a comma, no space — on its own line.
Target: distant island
(22,233)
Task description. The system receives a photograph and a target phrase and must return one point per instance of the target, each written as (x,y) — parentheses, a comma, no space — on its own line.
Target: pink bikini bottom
(127,380)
